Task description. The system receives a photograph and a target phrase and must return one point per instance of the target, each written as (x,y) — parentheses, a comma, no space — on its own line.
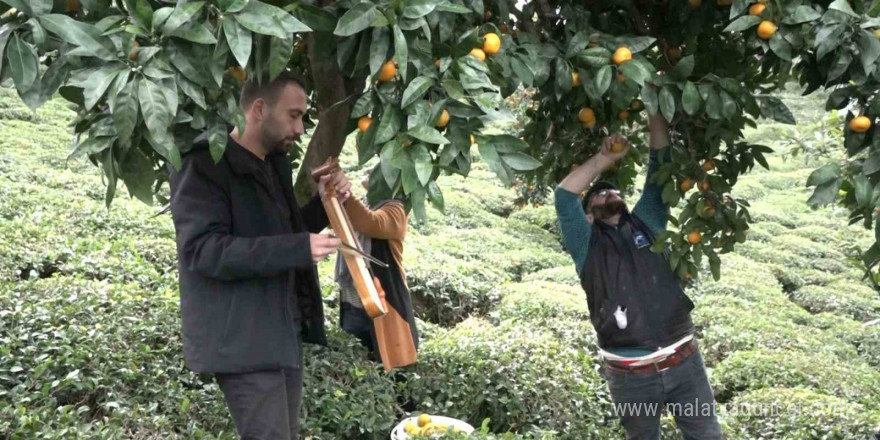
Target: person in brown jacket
(381,229)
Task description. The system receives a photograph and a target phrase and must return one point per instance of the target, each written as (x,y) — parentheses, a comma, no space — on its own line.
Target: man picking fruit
(637,305)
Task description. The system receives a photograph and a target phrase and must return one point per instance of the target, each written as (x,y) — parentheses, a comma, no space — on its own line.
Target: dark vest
(622,272)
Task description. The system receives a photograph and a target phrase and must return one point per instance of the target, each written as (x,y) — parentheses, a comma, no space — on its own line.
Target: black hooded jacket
(248,287)
(622,273)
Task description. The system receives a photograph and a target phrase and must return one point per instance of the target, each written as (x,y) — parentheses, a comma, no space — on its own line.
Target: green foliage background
(89,320)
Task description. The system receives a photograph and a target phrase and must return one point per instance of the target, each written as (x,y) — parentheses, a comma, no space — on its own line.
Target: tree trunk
(335,96)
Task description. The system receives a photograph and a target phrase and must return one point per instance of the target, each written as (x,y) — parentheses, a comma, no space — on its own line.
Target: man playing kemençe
(247,251)
(637,305)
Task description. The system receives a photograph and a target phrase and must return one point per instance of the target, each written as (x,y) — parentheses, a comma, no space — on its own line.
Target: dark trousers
(683,390)
(264,404)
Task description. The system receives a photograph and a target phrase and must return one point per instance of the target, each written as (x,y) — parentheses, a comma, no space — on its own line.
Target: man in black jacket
(248,282)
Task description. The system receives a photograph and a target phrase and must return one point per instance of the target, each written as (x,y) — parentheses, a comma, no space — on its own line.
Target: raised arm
(650,207)
(573,223)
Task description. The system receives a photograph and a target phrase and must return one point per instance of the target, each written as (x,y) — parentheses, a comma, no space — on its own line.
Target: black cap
(596,187)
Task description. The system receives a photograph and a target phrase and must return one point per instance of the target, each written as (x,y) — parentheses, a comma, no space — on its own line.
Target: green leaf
(869,47)
(453,88)
(522,71)
(595,57)
(379,45)
(684,68)
(490,155)
(419,8)
(5,33)
(801,14)
(400,51)
(872,163)
(141,12)
(447,6)
(386,156)
(314,17)
(690,99)
(231,6)
(827,173)
(80,34)
(864,190)
(636,44)
(138,175)
(415,90)
(389,125)
(154,108)
(436,196)
(423,162)
(743,23)
(715,266)
(23,62)
(650,99)
(279,55)
(841,63)
(356,19)
(218,61)
(125,115)
(824,193)
(100,81)
(728,105)
(197,33)
(520,161)
(428,134)
(773,108)
(239,39)
(713,104)
(409,177)
(181,15)
(828,39)
(634,71)
(843,6)
(266,19)
(506,143)
(563,77)
(159,18)
(781,47)
(363,105)
(577,44)
(418,204)
(667,103)
(603,80)
(217,138)
(90,146)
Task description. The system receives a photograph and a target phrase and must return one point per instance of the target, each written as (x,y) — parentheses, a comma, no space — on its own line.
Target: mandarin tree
(420,80)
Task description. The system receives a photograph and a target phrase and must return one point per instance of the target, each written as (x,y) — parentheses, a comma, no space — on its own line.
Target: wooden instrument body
(357,265)
(393,335)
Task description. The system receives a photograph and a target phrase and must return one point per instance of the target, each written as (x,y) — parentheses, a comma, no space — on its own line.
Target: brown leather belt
(682,353)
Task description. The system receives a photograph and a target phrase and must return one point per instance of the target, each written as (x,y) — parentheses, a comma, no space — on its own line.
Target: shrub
(543,217)
(728,324)
(534,380)
(540,301)
(446,289)
(756,369)
(864,338)
(566,274)
(846,298)
(799,414)
(743,278)
(105,360)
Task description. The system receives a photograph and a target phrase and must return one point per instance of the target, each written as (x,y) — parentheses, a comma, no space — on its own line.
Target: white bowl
(399,431)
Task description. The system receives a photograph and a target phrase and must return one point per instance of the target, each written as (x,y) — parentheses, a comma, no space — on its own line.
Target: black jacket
(622,272)
(248,286)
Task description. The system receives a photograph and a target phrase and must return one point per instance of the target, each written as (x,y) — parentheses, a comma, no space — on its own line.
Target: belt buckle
(657,363)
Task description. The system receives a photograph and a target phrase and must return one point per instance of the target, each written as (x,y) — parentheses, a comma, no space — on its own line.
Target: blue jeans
(683,390)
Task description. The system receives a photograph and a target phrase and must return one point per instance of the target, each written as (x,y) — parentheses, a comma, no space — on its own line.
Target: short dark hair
(594,189)
(266,89)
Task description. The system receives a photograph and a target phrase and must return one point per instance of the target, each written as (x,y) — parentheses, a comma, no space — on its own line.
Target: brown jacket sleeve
(387,222)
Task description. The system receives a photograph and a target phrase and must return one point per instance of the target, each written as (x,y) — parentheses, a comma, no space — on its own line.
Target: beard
(272,140)
(608,209)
